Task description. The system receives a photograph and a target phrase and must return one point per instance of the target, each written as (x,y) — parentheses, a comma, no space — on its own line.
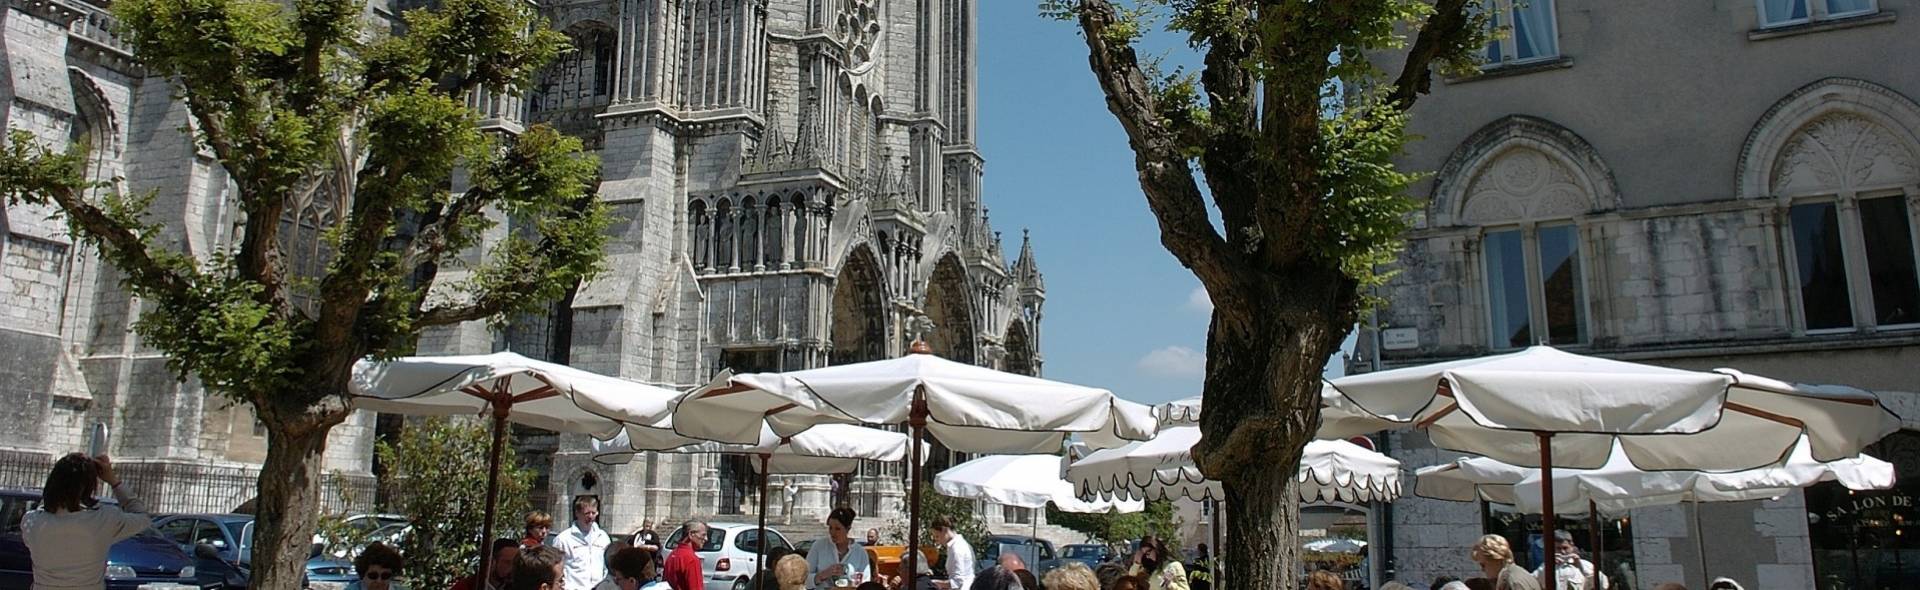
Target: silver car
(728,558)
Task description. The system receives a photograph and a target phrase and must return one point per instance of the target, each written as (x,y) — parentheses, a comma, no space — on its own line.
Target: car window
(779,542)
(745,541)
(1046,550)
(179,530)
(713,540)
(208,532)
(246,535)
(1079,551)
(12,509)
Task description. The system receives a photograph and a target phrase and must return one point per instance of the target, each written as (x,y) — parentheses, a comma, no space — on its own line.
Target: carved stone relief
(1524,184)
(1842,151)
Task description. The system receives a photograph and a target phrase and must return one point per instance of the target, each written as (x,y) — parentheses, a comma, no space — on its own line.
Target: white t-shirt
(823,555)
(70,548)
(586,554)
(960,562)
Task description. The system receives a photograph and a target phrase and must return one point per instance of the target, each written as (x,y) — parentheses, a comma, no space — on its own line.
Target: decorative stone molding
(1872,130)
(1521,168)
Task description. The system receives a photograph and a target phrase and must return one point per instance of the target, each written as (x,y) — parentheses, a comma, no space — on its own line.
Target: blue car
(141,560)
(1091,554)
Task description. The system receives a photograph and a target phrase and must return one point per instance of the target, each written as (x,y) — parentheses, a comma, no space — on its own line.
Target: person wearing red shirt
(683,565)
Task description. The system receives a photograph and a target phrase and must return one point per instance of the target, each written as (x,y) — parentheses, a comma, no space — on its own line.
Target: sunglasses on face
(378,575)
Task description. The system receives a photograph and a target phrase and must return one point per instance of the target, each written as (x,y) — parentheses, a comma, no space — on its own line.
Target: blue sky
(1121,312)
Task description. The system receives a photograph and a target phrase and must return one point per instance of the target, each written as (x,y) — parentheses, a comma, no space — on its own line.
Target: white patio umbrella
(1330,471)
(1025,481)
(512,388)
(1619,486)
(1336,545)
(824,449)
(970,409)
(1542,407)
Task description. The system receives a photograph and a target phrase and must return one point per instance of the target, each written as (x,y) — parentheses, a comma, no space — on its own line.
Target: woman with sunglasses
(378,565)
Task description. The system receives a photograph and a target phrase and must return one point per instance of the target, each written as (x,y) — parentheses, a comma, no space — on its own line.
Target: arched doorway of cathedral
(947,306)
(857,332)
(1019,349)
(952,337)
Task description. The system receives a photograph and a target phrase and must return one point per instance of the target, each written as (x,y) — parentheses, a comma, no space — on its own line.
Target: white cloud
(1174,361)
(1199,301)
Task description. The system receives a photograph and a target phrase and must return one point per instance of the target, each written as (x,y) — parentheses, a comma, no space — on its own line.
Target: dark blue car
(143,559)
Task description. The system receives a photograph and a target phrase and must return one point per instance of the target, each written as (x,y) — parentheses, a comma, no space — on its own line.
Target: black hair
(844,516)
(71,484)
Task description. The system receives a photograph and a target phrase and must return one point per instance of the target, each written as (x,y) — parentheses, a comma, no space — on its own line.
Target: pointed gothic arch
(1833,134)
(1020,353)
(950,308)
(857,328)
(1521,168)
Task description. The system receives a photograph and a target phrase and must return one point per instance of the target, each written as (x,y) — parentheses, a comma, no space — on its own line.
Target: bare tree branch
(126,249)
(437,228)
(1445,27)
(1172,193)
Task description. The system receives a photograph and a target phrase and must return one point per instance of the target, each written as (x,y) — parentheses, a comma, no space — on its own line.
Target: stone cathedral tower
(797,182)
(800,185)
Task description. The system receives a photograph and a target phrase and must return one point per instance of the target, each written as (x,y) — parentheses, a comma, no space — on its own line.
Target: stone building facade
(1692,184)
(797,184)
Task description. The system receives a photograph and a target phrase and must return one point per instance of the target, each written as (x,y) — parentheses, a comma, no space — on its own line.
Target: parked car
(1036,553)
(143,560)
(1091,554)
(325,573)
(728,558)
(229,534)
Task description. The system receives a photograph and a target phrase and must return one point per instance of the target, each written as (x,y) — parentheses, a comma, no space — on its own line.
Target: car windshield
(1083,551)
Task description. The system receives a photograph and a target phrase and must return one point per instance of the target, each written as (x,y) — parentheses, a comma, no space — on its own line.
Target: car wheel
(741,584)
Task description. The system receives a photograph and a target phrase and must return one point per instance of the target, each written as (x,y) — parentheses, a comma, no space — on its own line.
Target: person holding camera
(70,532)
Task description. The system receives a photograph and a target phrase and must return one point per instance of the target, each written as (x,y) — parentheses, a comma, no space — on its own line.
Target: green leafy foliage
(437,471)
(1157,520)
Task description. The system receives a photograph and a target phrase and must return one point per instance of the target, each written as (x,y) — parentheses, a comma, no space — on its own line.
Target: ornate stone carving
(1842,151)
(1524,184)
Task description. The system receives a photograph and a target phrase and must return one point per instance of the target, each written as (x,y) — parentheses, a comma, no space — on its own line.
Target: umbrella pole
(917,421)
(1599,550)
(760,551)
(500,410)
(1213,558)
(1699,542)
(1546,508)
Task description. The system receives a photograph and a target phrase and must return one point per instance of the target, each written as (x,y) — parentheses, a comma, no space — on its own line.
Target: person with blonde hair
(1495,557)
(1072,576)
(1324,580)
(791,572)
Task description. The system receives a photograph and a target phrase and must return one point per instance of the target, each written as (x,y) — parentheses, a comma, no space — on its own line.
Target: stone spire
(1026,269)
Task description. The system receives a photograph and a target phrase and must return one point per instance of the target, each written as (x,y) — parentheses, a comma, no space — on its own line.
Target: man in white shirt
(584,544)
(954,570)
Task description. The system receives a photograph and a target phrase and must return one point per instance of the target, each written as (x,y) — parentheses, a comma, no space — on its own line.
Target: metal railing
(180,487)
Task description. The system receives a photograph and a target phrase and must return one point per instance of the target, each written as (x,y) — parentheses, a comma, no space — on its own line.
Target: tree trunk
(1262,406)
(289,505)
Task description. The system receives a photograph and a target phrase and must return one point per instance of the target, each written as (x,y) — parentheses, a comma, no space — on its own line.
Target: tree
(1310,205)
(439,472)
(292,98)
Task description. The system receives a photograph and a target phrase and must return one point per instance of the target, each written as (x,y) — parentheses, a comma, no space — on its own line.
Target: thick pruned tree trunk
(1262,407)
(289,499)
(1308,205)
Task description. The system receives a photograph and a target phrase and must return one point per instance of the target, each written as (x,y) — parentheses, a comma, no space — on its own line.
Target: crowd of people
(585,557)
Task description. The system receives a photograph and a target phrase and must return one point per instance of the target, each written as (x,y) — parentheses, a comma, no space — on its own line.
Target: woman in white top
(70,533)
(837,557)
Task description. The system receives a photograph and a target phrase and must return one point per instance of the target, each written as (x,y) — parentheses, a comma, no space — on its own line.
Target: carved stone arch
(90,102)
(1522,168)
(1020,349)
(949,304)
(1839,133)
(857,328)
